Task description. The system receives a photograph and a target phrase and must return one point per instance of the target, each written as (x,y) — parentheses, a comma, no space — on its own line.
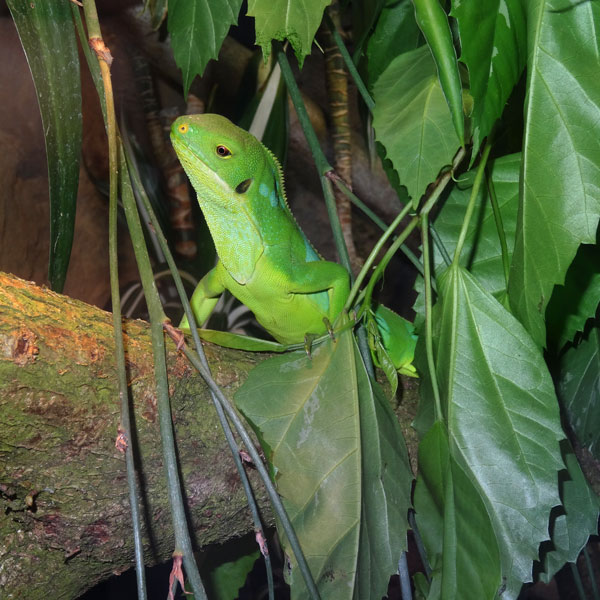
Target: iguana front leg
(204,298)
(322,276)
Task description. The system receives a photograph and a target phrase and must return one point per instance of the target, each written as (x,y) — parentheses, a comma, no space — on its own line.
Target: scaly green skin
(265,260)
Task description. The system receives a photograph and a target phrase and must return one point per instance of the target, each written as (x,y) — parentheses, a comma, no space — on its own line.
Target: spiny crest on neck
(282,195)
(278,175)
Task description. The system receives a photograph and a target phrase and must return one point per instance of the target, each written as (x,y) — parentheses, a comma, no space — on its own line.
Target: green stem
(360,86)
(334,221)
(440,185)
(311,137)
(590,568)
(429,317)
(472,201)
(106,98)
(378,273)
(183,544)
(373,255)
(437,241)
(578,582)
(404,575)
(120,359)
(319,157)
(93,65)
(499,226)
(339,183)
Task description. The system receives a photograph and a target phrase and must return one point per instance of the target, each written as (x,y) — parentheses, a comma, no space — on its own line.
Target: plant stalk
(124,436)
(183,543)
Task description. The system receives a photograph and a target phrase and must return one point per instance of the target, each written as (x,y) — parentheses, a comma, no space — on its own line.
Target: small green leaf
(380,356)
(411,119)
(579,389)
(433,22)
(493,39)
(573,303)
(364,16)
(226,579)
(560,202)
(455,527)
(48,37)
(396,32)
(397,337)
(578,520)
(296,20)
(197,29)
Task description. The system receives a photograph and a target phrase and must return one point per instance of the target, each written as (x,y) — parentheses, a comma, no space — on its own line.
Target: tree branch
(63,493)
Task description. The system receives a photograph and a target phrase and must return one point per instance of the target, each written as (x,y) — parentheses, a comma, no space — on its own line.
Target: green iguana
(265,260)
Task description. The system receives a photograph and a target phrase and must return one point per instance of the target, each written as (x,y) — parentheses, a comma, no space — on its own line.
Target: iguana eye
(223,151)
(183,128)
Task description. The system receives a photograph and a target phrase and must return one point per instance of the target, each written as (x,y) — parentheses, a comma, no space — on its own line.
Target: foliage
(195,38)
(514,265)
(51,47)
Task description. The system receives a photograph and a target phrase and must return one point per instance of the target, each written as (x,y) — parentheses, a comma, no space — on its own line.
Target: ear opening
(243,186)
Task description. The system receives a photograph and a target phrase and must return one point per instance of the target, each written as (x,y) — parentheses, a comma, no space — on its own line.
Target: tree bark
(65,517)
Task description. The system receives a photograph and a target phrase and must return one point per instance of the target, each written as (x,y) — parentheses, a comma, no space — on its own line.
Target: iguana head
(217,155)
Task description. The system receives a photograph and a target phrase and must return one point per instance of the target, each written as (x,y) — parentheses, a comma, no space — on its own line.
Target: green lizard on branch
(265,260)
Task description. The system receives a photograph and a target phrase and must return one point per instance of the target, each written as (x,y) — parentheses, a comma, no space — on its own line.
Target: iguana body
(265,260)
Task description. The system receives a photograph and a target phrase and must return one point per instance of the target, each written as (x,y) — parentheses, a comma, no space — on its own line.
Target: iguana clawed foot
(329,328)
(309,338)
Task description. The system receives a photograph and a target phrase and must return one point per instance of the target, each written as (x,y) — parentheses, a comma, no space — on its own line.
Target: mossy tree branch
(65,515)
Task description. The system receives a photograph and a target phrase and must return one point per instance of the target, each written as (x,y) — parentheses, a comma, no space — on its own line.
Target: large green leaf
(411,119)
(197,29)
(454,525)
(579,389)
(560,195)
(48,37)
(573,303)
(296,20)
(396,32)
(578,520)
(340,465)
(493,47)
(502,416)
